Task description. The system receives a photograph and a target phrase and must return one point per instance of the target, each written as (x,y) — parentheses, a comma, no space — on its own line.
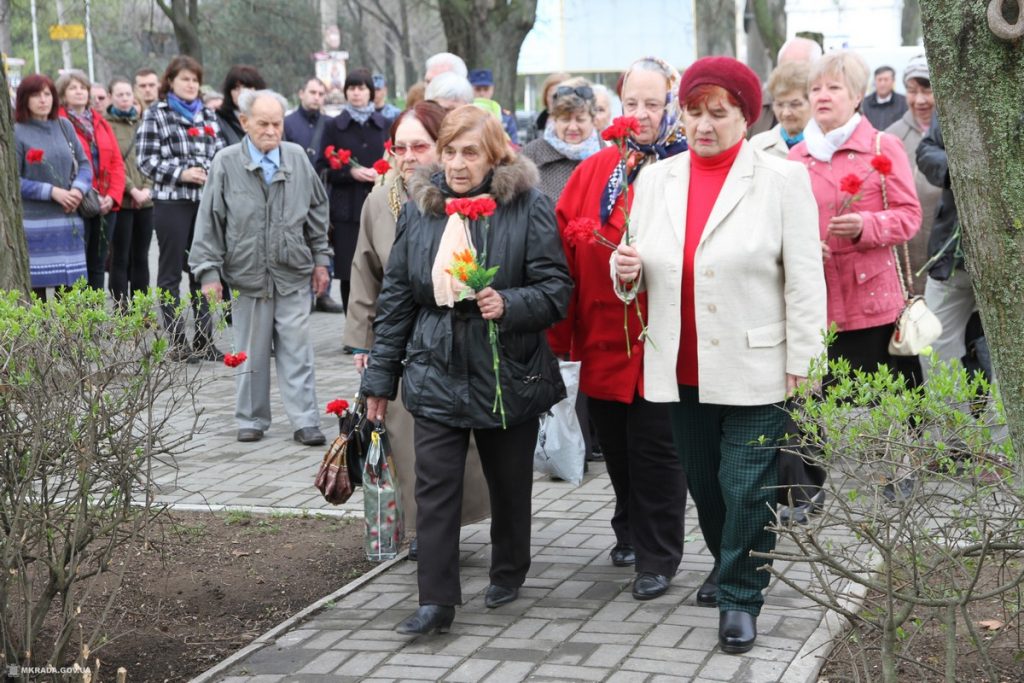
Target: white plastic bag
(560,448)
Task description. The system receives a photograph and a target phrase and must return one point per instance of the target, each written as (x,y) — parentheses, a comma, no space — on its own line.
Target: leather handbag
(917,326)
(332,478)
(89,207)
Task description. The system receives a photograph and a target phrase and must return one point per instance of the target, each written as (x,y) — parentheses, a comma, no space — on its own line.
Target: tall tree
(184,16)
(13,249)
(911,23)
(716,27)
(977,68)
(5,27)
(395,20)
(488,35)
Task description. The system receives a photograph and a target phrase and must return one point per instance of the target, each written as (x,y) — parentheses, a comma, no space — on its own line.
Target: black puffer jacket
(944,248)
(442,354)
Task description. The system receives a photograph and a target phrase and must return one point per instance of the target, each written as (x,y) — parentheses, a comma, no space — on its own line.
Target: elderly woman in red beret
(726,248)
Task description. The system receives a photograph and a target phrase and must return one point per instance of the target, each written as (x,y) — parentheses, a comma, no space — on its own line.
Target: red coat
(863,285)
(108,178)
(593,332)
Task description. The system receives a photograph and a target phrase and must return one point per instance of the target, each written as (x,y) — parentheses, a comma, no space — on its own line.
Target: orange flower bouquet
(471,270)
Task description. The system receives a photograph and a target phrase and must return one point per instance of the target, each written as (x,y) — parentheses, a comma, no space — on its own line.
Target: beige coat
(771,141)
(759,285)
(376,236)
(907,131)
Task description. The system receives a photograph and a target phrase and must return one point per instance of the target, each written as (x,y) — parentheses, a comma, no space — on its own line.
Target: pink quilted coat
(863,286)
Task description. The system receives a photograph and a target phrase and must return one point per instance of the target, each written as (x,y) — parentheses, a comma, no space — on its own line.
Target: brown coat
(929,195)
(376,236)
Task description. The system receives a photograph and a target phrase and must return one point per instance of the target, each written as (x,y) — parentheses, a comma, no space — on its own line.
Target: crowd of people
(688,255)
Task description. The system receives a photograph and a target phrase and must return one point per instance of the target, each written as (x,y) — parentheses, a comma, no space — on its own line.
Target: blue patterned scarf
(642,154)
(188,110)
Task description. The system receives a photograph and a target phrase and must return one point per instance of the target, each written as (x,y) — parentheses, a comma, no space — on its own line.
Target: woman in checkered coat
(174,146)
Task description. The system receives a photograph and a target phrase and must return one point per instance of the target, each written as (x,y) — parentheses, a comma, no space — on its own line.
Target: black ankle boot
(427,619)
(707,594)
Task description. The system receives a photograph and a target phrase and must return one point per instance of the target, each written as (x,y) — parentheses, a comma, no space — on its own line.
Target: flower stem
(625,326)
(499,404)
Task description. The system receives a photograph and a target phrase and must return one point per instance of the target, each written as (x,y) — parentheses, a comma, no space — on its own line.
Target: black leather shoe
(427,619)
(496,596)
(623,555)
(737,631)
(707,594)
(649,586)
(325,304)
(310,436)
(249,434)
(414,550)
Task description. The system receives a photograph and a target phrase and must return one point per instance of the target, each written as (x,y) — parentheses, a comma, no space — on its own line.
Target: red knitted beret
(730,74)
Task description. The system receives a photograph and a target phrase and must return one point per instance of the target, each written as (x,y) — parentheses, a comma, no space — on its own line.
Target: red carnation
(455,206)
(338,406)
(882,164)
(486,206)
(580,231)
(387,146)
(329,151)
(850,184)
(381,166)
(34,156)
(194,132)
(209,131)
(334,163)
(344,156)
(621,128)
(233,360)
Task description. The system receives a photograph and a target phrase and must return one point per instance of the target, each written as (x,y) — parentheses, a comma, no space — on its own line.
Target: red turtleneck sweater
(707,176)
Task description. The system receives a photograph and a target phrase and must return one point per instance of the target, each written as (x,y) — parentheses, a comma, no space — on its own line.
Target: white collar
(821,145)
(883,100)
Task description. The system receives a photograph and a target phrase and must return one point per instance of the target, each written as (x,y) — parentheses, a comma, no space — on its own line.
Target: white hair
(249,97)
(453,63)
(449,86)
(812,47)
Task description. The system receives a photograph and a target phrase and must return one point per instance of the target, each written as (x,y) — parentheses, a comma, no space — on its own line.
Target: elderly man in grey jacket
(262,227)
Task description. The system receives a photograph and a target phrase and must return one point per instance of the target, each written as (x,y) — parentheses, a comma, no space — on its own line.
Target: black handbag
(360,431)
(89,207)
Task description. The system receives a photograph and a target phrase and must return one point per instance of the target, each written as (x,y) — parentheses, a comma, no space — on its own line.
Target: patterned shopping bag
(382,501)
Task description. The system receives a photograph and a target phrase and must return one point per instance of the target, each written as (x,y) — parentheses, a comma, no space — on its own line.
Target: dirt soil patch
(210,583)
(999,621)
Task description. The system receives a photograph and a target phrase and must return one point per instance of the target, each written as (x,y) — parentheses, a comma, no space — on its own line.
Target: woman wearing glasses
(569,139)
(788,88)
(635,436)
(413,145)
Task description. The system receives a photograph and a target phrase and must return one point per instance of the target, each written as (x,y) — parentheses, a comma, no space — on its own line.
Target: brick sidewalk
(575,619)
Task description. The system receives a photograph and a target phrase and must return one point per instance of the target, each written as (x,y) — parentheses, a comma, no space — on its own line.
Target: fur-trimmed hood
(509,181)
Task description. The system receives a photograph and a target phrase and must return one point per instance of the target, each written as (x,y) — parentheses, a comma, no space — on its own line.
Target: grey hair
(449,86)
(452,61)
(249,97)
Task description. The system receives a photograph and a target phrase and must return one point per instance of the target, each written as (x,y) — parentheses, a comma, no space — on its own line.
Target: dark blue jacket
(299,127)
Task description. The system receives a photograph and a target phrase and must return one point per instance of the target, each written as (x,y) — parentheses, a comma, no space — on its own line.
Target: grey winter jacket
(554,167)
(443,354)
(260,237)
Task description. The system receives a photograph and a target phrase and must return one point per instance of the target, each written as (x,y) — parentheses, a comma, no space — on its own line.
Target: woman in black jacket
(361,130)
(240,77)
(430,333)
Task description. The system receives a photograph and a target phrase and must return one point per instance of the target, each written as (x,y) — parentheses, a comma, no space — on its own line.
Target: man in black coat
(305,127)
(885,106)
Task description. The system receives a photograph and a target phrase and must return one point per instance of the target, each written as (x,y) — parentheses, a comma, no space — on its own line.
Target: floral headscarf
(671,138)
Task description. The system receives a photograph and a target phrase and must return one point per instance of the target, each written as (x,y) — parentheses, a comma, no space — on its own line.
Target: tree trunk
(716,27)
(5,27)
(13,249)
(488,35)
(184,16)
(979,87)
(770,20)
(911,23)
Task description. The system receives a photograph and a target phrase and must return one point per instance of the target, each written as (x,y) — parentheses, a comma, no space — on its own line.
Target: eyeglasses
(584,92)
(415,148)
(792,105)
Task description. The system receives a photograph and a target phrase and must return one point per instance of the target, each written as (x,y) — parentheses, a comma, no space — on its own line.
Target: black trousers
(129,252)
(175,222)
(868,348)
(648,478)
(99,231)
(507,459)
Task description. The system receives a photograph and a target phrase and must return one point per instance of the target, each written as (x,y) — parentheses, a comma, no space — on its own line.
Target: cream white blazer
(759,284)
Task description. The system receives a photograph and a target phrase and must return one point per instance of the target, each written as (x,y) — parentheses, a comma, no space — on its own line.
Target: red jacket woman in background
(100,145)
(635,436)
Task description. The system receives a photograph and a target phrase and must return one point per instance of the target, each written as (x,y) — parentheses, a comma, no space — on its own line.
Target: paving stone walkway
(576,619)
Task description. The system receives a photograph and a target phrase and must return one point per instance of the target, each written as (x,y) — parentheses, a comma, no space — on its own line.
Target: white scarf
(823,145)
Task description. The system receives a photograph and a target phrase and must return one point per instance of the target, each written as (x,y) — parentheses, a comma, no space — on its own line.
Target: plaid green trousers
(731,478)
